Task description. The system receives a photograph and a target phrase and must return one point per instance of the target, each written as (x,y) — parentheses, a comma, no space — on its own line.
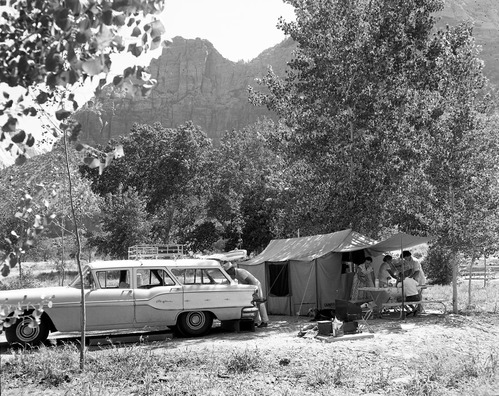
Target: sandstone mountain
(196,83)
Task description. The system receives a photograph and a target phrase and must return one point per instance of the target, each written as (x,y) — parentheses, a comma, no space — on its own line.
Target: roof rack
(173,251)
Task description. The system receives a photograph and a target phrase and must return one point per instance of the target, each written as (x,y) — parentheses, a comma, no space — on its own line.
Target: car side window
(200,276)
(153,277)
(113,279)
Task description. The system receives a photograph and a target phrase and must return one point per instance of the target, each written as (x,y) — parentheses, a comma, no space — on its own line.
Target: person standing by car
(246,278)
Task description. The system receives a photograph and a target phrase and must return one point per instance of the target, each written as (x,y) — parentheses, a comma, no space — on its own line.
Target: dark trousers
(413,298)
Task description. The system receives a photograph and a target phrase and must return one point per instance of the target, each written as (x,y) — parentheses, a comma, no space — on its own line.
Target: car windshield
(88,280)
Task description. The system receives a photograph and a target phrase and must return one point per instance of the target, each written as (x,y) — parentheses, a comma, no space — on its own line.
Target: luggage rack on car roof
(173,251)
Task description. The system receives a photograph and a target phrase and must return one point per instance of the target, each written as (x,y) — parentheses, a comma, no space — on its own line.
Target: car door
(158,298)
(110,305)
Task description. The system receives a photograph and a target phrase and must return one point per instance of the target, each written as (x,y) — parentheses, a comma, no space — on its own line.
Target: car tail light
(249,312)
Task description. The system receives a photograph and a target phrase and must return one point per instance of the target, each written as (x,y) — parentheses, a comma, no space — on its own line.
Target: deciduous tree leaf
(157,29)
(21,159)
(10,125)
(19,137)
(93,67)
(5,273)
(62,114)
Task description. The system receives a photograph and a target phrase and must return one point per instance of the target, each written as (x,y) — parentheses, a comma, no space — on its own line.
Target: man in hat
(247,278)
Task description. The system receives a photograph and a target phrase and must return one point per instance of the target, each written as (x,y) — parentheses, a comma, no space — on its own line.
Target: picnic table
(385,297)
(388,298)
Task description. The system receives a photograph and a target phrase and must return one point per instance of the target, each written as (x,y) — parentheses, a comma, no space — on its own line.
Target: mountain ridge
(196,83)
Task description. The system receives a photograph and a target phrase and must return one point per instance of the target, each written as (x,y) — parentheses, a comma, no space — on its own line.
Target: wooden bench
(392,305)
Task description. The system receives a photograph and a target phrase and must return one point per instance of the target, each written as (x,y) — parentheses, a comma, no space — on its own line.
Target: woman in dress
(364,277)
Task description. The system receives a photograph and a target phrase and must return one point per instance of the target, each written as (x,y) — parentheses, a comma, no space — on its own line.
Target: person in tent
(386,271)
(246,278)
(364,277)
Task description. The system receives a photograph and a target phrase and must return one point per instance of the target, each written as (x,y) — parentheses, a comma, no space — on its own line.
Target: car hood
(36,295)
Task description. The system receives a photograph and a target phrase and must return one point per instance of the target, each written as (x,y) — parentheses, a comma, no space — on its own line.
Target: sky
(238,29)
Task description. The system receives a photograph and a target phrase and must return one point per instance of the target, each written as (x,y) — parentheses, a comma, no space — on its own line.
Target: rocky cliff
(196,83)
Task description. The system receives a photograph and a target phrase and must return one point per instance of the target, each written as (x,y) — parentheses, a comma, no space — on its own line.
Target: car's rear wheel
(22,333)
(195,323)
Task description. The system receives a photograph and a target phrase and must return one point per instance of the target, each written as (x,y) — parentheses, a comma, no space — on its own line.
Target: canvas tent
(302,273)
(309,272)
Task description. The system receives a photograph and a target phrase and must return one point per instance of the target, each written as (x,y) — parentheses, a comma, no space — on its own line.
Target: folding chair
(367,313)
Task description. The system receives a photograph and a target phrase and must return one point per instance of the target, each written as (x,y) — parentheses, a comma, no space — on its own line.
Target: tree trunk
(454,282)
(484,271)
(83,316)
(469,279)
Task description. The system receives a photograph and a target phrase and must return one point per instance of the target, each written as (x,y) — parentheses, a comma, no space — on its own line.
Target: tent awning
(400,241)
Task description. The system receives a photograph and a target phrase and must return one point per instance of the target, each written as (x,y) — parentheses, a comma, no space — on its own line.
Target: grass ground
(428,355)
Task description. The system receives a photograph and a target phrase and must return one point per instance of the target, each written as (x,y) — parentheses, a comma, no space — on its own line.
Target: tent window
(278,279)
(357,256)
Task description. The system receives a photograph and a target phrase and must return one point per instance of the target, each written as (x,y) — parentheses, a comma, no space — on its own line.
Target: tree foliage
(357,66)
(387,111)
(247,177)
(124,223)
(34,200)
(49,47)
(202,237)
(167,168)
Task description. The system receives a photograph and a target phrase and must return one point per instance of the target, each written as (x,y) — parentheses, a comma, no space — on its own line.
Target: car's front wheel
(25,334)
(195,323)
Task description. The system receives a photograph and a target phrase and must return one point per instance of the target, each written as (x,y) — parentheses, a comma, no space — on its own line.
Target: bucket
(324,327)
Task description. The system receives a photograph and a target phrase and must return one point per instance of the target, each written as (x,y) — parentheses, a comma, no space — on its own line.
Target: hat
(227,265)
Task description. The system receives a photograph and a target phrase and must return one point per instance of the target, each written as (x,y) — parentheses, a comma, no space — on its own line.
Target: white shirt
(410,287)
(416,266)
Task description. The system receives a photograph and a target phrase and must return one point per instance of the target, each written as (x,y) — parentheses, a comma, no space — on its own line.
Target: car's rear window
(152,277)
(200,276)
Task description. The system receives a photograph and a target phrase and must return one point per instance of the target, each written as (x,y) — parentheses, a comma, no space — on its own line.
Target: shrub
(438,266)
